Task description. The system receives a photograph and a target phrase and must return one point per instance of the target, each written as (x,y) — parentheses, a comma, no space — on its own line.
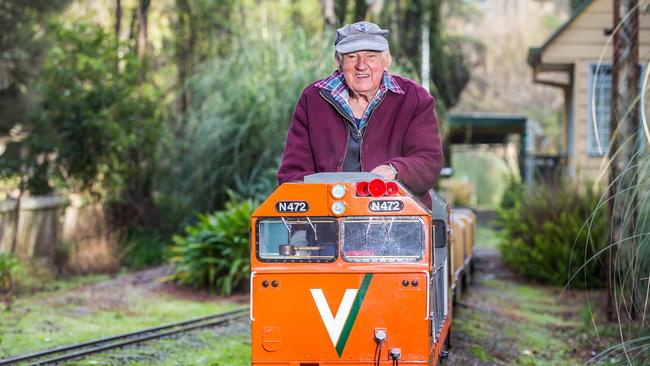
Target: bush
(513,193)
(215,252)
(96,127)
(8,264)
(550,236)
(142,248)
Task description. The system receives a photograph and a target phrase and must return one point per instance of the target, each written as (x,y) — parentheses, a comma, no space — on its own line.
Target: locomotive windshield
(297,239)
(382,239)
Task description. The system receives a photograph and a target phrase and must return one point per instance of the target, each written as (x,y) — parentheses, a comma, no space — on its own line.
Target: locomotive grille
(439,306)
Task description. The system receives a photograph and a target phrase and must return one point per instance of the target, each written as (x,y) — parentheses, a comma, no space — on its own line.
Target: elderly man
(361,118)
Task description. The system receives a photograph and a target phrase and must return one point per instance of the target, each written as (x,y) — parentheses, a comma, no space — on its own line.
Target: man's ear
(337,61)
(389,60)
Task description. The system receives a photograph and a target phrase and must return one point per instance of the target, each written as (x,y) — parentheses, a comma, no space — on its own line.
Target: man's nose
(361,64)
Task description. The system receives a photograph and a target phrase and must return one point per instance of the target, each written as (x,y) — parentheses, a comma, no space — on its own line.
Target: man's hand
(385,172)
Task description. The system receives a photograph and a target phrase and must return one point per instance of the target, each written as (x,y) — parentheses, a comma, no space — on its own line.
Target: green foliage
(8,264)
(96,126)
(22,41)
(553,235)
(234,130)
(513,193)
(215,252)
(143,248)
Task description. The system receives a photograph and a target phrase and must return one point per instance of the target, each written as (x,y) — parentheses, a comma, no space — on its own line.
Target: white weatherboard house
(569,60)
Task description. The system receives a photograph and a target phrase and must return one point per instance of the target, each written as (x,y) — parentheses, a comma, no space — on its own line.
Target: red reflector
(391,188)
(377,187)
(362,189)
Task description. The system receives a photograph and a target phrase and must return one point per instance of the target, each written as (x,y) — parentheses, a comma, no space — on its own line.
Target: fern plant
(214,253)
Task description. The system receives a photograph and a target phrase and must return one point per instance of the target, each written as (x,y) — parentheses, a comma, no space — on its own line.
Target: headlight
(338,208)
(338,191)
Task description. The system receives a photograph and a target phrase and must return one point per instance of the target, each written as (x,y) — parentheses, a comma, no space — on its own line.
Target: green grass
(47,320)
(199,348)
(34,278)
(480,353)
(517,324)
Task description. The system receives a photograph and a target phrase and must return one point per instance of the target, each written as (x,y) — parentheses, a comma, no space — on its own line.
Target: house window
(599,106)
(600,96)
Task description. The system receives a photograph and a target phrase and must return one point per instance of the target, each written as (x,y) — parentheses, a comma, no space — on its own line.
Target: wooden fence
(58,231)
(36,229)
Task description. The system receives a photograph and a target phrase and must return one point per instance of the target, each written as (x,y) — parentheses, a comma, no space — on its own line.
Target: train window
(439,234)
(382,239)
(297,239)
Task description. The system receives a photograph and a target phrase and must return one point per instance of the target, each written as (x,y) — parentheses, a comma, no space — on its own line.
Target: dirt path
(503,320)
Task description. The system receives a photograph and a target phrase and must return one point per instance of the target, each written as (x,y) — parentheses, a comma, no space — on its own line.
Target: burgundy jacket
(402,130)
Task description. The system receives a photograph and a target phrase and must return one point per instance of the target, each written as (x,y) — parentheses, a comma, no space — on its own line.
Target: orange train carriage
(347,269)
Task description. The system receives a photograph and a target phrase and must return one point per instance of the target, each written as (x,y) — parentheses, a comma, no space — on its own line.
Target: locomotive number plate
(292,206)
(386,206)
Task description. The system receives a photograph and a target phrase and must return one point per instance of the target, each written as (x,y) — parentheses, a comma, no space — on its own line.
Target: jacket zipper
(347,131)
(362,135)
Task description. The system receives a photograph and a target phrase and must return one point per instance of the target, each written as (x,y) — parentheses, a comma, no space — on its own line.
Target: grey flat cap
(361,36)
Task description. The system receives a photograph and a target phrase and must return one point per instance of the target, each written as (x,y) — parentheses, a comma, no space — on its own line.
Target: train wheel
(472,268)
(444,354)
(465,280)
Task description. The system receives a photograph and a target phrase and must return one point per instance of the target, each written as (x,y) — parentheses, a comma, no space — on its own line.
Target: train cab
(348,269)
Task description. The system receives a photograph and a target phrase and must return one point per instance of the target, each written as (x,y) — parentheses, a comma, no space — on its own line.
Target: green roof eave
(486,120)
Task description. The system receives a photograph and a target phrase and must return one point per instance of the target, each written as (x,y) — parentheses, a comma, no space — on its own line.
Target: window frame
(592,146)
(387,259)
(259,220)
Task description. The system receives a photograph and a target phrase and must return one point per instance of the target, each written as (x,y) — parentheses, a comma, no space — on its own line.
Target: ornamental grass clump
(554,234)
(214,253)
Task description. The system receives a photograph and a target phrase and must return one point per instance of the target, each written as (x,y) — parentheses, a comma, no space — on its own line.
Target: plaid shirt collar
(335,84)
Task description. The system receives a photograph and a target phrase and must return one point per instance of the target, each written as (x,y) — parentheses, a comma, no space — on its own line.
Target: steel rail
(125,338)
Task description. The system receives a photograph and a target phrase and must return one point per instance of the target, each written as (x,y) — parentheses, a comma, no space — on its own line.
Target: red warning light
(391,188)
(362,189)
(377,187)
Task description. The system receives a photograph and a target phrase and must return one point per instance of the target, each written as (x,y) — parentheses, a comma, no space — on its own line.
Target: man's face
(363,70)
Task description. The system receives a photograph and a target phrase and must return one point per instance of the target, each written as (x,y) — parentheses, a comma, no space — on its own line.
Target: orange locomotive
(347,269)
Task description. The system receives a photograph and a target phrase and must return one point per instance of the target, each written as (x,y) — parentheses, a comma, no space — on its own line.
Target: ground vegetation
(555,235)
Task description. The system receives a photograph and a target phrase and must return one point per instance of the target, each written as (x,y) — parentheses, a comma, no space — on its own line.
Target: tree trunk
(624,129)
(184,49)
(341,10)
(328,13)
(118,18)
(143,8)
(360,10)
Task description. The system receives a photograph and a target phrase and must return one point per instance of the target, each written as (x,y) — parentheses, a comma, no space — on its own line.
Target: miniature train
(348,269)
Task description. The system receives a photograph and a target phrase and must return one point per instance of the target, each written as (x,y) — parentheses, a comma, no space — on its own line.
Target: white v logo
(334,325)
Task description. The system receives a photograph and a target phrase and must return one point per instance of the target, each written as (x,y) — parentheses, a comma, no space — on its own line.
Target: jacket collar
(336,85)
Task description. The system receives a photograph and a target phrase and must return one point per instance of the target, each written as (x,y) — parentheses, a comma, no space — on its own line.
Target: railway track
(64,353)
